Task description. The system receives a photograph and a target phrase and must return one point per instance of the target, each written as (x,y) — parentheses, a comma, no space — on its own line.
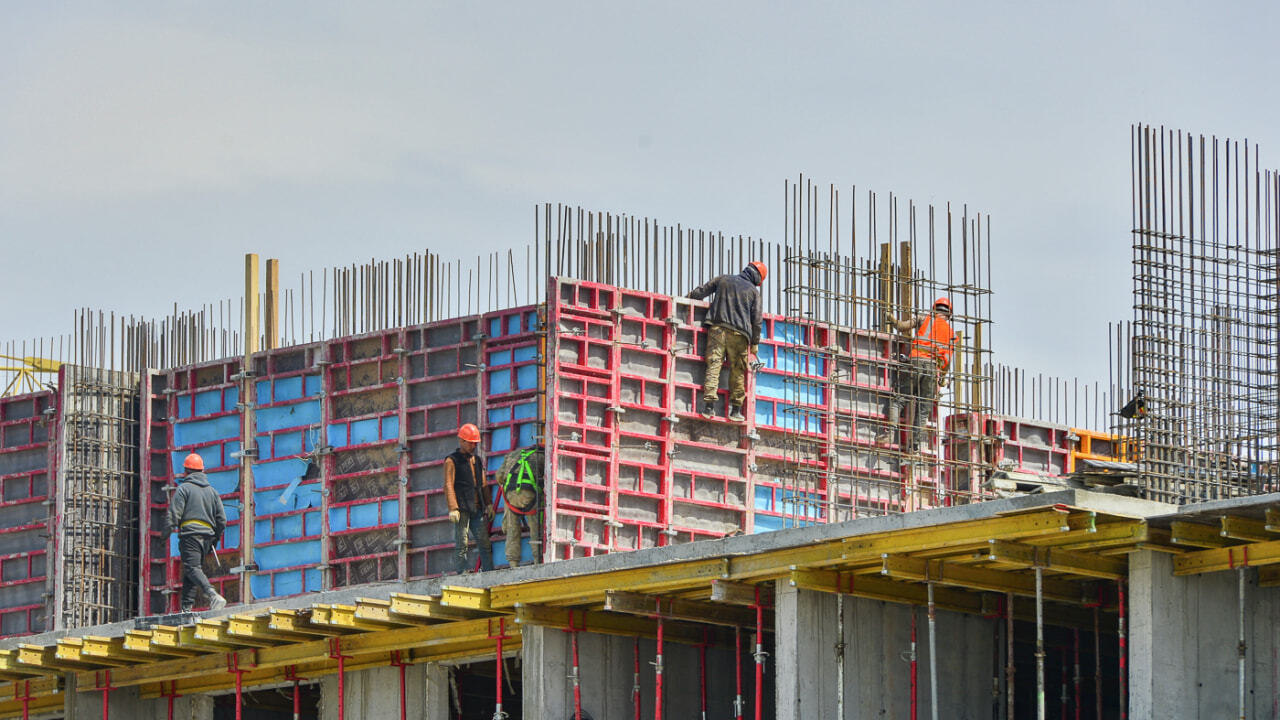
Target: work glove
(455,516)
(942,381)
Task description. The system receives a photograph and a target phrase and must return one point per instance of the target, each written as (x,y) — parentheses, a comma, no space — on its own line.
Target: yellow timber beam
(11,668)
(466,598)
(422,607)
(31,688)
(1017,555)
(344,617)
(1197,535)
(1273,520)
(592,588)
(144,641)
(901,567)
(112,649)
(45,657)
(257,628)
(725,591)
(382,641)
(1269,576)
(1203,561)
(217,633)
(1247,529)
(956,536)
(39,705)
(877,588)
(676,609)
(296,622)
(1104,535)
(610,624)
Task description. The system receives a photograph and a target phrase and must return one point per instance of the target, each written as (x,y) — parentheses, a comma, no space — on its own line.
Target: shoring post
(397,661)
(635,679)
(26,699)
(933,655)
(498,712)
(914,658)
(1242,647)
(1124,651)
(1062,688)
(335,653)
(575,672)
(1009,667)
(759,656)
(1075,643)
(1097,655)
(233,667)
(737,675)
(1040,709)
(657,669)
(291,675)
(105,686)
(839,648)
(169,696)
(702,673)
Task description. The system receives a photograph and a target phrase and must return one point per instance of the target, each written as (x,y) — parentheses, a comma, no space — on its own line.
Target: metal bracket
(242,569)
(250,452)
(244,375)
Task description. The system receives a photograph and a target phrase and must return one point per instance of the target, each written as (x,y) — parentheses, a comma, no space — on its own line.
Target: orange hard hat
(469,432)
(761,268)
(193,462)
(943,303)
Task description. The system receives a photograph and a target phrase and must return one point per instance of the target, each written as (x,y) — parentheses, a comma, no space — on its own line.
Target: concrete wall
(877,672)
(607,672)
(374,694)
(126,703)
(1184,637)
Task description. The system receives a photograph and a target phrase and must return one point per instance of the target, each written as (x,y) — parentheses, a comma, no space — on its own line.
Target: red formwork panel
(28,425)
(155,470)
(1030,446)
(203,417)
(969,454)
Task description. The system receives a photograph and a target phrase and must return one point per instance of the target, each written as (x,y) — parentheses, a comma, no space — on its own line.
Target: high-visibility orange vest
(934,339)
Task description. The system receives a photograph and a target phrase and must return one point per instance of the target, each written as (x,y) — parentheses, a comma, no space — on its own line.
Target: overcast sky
(146,146)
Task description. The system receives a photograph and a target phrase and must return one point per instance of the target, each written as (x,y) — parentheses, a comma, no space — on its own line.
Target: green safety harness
(523,476)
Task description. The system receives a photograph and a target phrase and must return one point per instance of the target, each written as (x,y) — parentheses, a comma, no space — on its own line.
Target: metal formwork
(27,425)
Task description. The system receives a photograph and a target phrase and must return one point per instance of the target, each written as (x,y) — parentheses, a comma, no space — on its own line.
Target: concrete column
(1183,641)
(877,673)
(126,704)
(607,677)
(375,693)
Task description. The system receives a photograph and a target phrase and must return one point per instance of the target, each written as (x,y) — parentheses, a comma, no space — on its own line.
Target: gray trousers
(476,525)
(192,547)
(917,380)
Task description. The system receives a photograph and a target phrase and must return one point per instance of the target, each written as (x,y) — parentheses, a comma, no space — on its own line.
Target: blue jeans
(477,525)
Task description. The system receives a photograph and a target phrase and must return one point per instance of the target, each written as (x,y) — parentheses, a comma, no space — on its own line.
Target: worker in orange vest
(469,506)
(925,369)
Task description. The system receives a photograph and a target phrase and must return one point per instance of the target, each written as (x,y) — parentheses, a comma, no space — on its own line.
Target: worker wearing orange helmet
(469,506)
(733,329)
(925,369)
(197,515)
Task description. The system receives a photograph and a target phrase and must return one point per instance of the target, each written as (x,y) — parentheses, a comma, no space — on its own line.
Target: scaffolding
(1206,218)
(844,291)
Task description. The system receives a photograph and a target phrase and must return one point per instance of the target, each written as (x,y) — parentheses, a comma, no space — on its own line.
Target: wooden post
(906,299)
(271,312)
(886,286)
(247,396)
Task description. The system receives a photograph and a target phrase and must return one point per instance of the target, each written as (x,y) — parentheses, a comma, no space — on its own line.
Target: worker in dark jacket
(197,515)
(521,478)
(733,326)
(469,506)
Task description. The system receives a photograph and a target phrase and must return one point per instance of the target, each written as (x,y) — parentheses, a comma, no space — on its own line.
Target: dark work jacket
(736,303)
(463,489)
(197,508)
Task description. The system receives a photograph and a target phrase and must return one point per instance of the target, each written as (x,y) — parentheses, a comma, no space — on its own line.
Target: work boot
(185,608)
(217,602)
(708,409)
(885,437)
(735,413)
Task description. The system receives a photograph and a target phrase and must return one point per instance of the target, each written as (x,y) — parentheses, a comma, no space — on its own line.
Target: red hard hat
(761,267)
(193,462)
(469,432)
(942,302)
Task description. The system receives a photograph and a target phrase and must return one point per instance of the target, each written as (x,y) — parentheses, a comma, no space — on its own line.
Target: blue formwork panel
(275,528)
(287,416)
(286,443)
(780,387)
(197,432)
(211,454)
(278,472)
(284,389)
(285,583)
(367,515)
(207,402)
(788,333)
(362,432)
(224,481)
(291,554)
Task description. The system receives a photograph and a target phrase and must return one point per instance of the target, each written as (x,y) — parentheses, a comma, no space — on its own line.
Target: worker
(469,506)
(733,329)
(197,515)
(925,370)
(521,477)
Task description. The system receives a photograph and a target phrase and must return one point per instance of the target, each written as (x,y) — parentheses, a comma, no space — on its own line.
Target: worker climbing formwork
(923,372)
(733,326)
(520,476)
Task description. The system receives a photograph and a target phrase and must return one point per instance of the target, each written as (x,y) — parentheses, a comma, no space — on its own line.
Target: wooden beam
(423,607)
(877,588)
(591,588)
(248,437)
(297,622)
(271,308)
(676,609)
(1269,576)
(604,623)
(734,593)
(142,641)
(1273,519)
(1228,558)
(943,538)
(344,616)
(901,567)
(1197,535)
(1247,529)
(467,598)
(258,628)
(1011,554)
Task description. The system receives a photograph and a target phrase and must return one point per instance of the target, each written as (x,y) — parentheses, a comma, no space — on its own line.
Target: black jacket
(196,500)
(736,304)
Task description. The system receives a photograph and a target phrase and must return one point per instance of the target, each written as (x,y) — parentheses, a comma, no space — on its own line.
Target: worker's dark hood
(752,274)
(196,478)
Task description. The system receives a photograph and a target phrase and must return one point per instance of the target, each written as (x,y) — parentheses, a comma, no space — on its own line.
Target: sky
(146,146)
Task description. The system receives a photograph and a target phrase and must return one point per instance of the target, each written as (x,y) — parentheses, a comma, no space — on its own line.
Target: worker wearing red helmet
(733,329)
(925,369)
(197,515)
(469,506)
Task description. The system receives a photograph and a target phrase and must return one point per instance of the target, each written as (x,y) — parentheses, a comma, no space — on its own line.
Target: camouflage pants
(725,344)
(511,522)
(917,381)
